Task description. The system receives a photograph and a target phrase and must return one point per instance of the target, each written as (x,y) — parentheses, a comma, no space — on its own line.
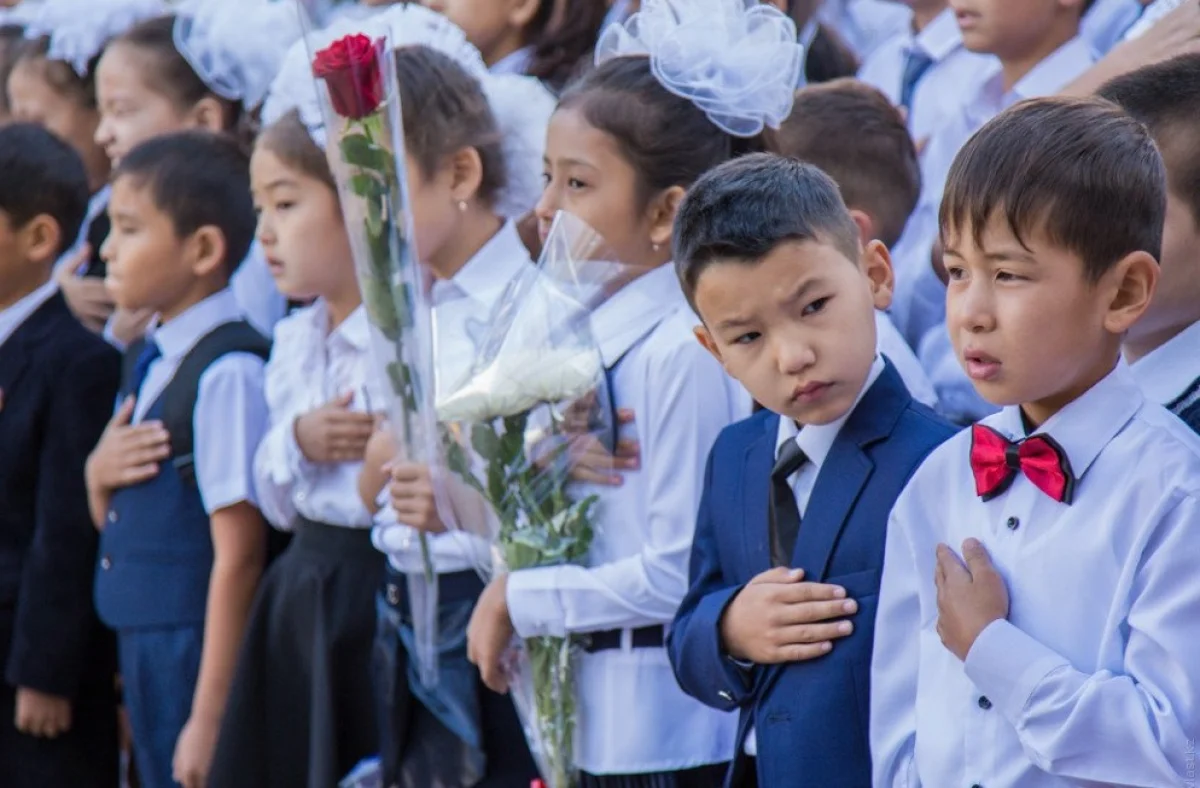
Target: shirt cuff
(533,603)
(1007,665)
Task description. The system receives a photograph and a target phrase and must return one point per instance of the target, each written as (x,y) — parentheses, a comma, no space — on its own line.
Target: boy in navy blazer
(778,618)
(58,705)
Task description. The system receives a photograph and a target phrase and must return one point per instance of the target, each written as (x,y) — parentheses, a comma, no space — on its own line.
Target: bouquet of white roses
(536,396)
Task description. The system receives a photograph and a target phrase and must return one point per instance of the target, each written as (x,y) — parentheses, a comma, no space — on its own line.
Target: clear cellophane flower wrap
(534,405)
(357,88)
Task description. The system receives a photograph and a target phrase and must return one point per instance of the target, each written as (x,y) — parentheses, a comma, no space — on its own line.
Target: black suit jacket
(59,383)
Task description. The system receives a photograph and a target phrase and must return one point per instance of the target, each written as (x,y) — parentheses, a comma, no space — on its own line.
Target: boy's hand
(41,715)
(87,296)
(969,597)
(490,634)
(780,618)
(333,432)
(194,753)
(126,454)
(411,492)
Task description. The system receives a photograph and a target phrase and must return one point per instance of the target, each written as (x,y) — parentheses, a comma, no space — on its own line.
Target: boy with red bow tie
(1061,650)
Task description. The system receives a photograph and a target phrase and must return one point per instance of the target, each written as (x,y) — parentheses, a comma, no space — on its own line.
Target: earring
(462,206)
(655,247)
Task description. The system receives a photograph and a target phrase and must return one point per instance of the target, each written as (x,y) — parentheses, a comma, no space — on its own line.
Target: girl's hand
(411,491)
(592,462)
(334,433)
(87,296)
(490,634)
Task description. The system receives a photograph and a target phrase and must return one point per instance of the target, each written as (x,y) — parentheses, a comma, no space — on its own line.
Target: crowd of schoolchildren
(938,536)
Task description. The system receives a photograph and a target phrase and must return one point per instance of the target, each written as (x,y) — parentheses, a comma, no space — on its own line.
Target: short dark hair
(742,210)
(42,175)
(198,179)
(667,139)
(1166,98)
(1079,171)
(852,132)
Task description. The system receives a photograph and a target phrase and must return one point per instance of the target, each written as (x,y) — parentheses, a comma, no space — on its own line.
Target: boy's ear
(877,265)
(207,249)
(707,342)
(467,174)
(40,239)
(662,215)
(209,115)
(866,227)
(1131,284)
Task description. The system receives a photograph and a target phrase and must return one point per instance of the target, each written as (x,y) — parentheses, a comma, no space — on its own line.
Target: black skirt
(301,709)
(701,777)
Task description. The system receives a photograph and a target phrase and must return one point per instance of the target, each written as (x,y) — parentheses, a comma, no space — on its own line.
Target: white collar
(13,316)
(1045,79)
(176,337)
(489,271)
(634,310)
(940,37)
(1169,370)
(1085,426)
(815,440)
(514,62)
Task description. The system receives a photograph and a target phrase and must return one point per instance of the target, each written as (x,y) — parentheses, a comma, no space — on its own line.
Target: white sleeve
(1133,727)
(279,466)
(688,409)
(896,656)
(227,426)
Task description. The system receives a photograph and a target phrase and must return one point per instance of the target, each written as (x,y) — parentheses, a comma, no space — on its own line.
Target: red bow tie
(995,461)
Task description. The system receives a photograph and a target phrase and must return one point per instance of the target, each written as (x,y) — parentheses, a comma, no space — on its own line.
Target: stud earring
(462,206)
(655,247)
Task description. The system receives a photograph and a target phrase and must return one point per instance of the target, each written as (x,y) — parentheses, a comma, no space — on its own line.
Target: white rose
(519,379)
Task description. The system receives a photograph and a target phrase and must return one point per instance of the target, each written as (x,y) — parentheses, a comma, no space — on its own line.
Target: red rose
(350,67)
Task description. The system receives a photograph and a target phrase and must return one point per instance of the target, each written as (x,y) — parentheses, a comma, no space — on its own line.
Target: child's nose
(794,355)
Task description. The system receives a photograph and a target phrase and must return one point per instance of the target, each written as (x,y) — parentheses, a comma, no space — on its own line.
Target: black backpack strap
(179,398)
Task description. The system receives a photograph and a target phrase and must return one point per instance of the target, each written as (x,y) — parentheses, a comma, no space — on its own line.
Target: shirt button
(106,563)
(984,703)
(1013,523)
(300,496)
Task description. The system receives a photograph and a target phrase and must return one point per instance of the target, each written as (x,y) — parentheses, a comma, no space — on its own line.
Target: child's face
(34,100)
(1027,325)
(147,264)
(489,24)
(130,111)
(300,228)
(1176,303)
(586,175)
(798,328)
(1008,28)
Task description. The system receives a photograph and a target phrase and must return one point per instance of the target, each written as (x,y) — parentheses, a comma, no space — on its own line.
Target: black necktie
(785,515)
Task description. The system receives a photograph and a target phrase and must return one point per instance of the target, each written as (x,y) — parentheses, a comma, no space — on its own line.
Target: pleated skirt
(301,710)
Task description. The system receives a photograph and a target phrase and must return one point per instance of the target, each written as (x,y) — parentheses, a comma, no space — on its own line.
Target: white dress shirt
(516,62)
(231,413)
(919,302)
(462,306)
(815,440)
(864,24)
(1093,678)
(311,365)
(635,718)
(892,345)
(11,317)
(954,73)
(1170,370)
(1107,21)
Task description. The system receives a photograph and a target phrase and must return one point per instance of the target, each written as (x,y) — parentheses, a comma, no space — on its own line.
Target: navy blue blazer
(810,718)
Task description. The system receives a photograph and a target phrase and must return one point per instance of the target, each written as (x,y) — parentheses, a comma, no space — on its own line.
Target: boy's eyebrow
(733,322)
(801,291)
(1008,255)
